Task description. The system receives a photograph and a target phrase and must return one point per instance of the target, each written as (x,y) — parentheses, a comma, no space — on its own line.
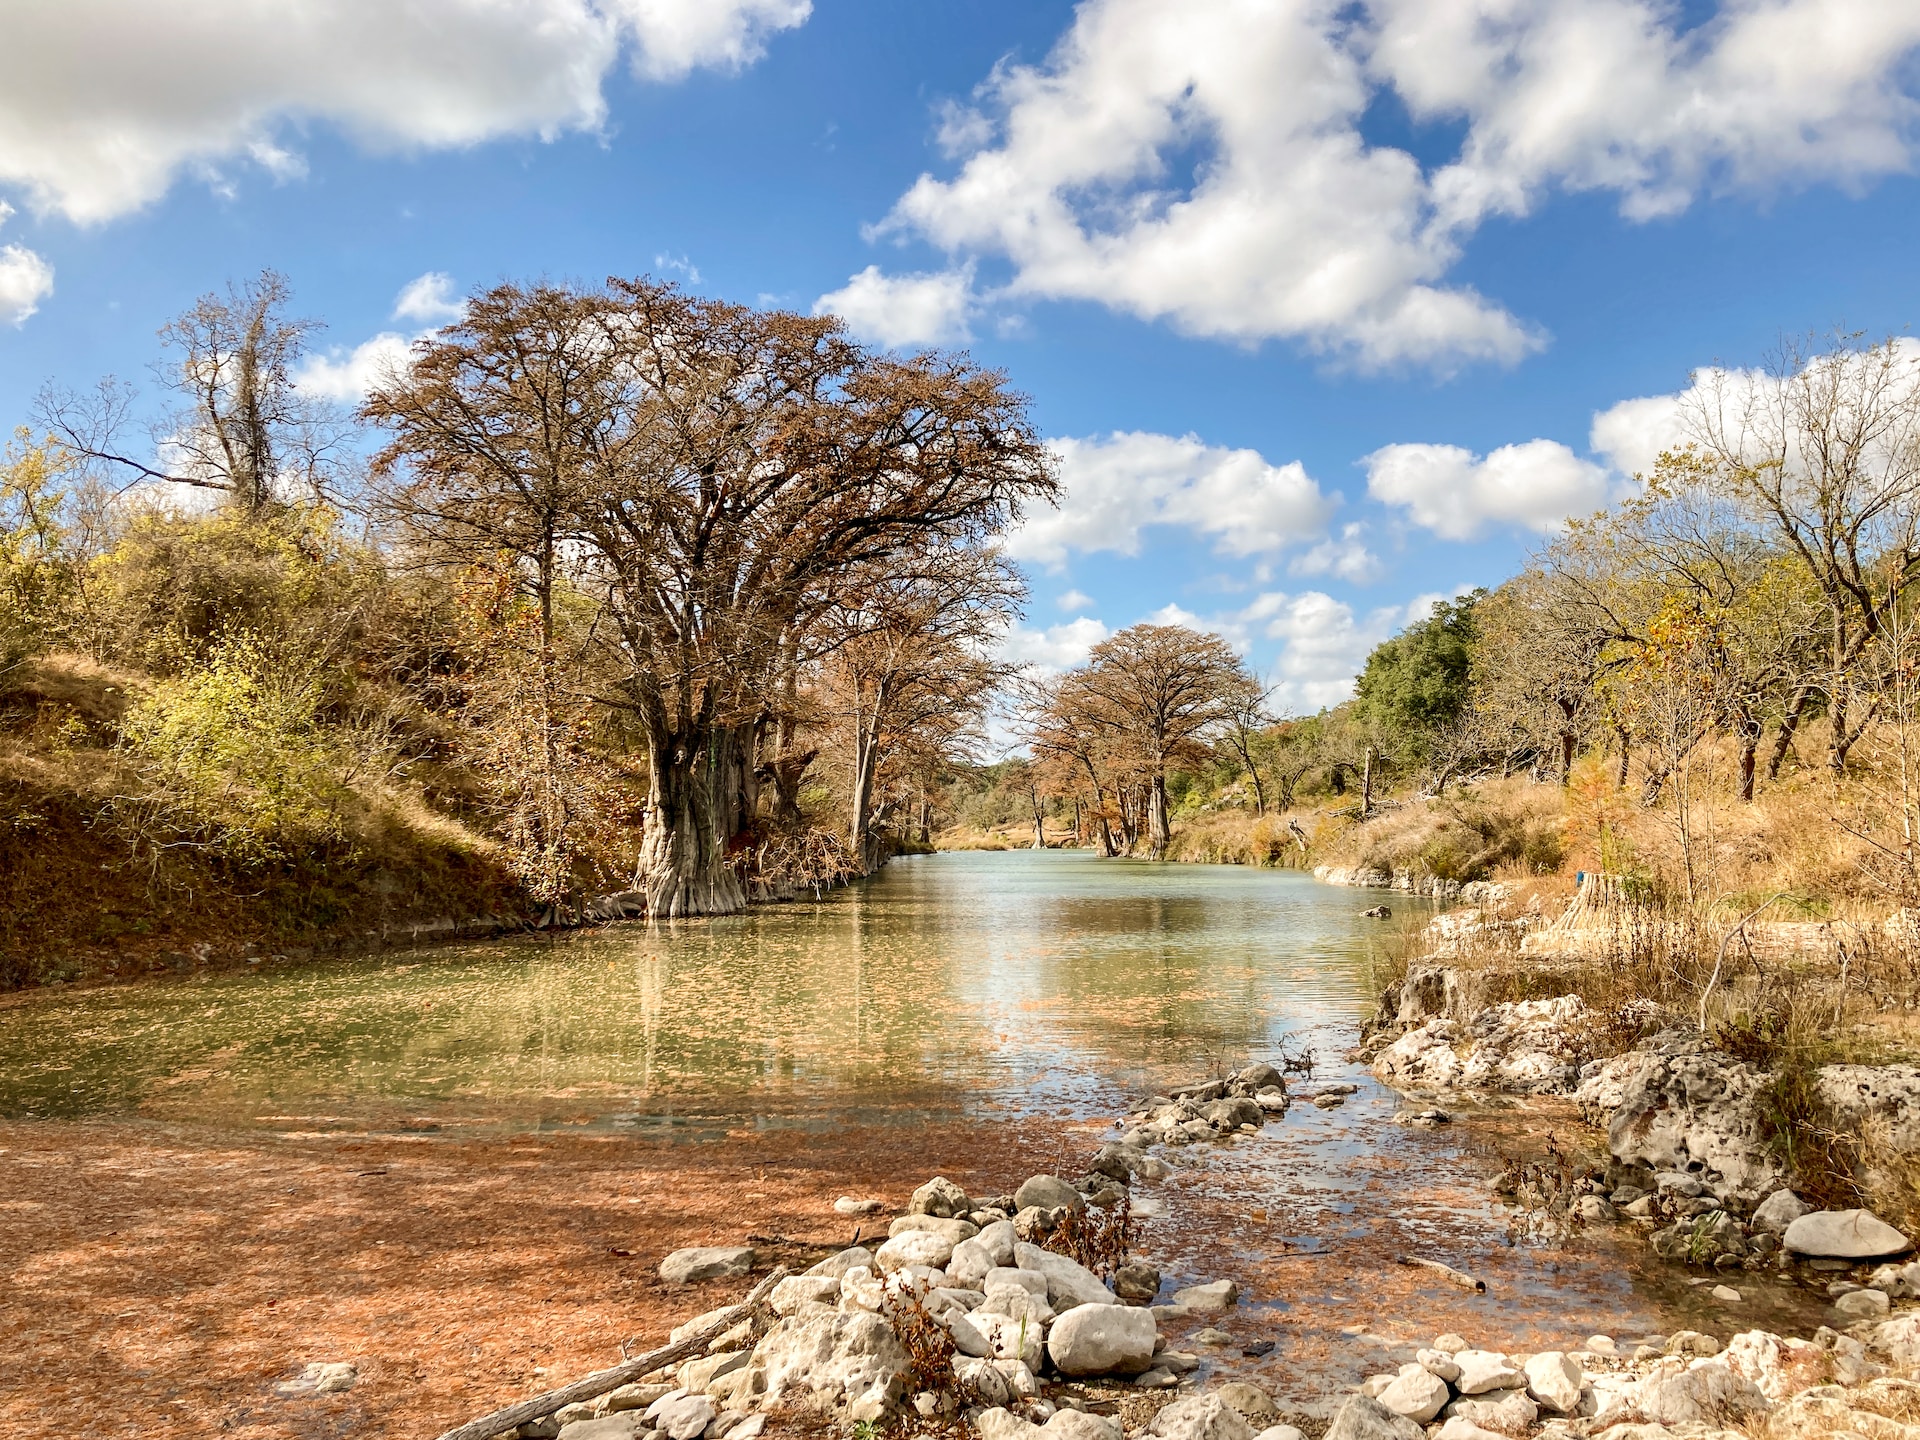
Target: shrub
(233,757)
(174,587)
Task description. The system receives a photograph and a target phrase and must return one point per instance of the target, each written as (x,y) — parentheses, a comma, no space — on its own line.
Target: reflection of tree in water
(960,976)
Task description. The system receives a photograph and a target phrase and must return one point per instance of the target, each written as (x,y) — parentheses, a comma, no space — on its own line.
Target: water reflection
(950,982)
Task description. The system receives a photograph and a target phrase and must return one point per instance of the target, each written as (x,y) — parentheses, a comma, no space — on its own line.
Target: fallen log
(601,1381)
(1447,1272)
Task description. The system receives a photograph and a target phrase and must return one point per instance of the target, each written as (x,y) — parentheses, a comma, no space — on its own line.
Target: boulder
(1777,1366)
(1427,992)
(1708,1394)
(1511,1412)
(862,1289)
(1880,1408)
(698,1374)
(322,1377)
(1018,1302)
(1437,1362)
(1068,1282)
(913,1247)
(1458,1427)
(1901,1282)
(1555,1380)
(1525,1046)
(1415,1393)
(1233,1112)
(951,1231)
(1102,1340)
(1282,1432)
(1862,1305)
(795,1290)
(1484,1370)
(1362,1419)
(848,1205)
(857,1257)
(680,1415)
(1604,1084)
(1202,1417)
(623,1426)
(998,1240)
(1136,1283)
(1072,1424)
(1779,1210)
(1003,1424)
(968,1338)
(1698,1114)
(1003,1276)
(1212,1296)
(832,1354)
(986,1381)
(939,1197)
(1900,1339)
(1881,1101)
(970,1263)
(1036,1222)
(706,1262)
(1250,1400)
(1048,1192)
(1844,1235)
(1010,1337)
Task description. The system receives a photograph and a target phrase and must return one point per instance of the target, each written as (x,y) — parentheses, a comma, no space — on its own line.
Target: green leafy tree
(1419,682)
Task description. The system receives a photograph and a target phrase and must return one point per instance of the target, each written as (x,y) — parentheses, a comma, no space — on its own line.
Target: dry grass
(126,908)
(967,838)
(1239,837)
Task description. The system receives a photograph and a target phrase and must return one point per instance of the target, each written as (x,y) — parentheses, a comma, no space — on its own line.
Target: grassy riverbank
(92,883)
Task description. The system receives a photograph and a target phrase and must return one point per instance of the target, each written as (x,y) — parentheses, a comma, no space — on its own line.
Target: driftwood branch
(1446,1272)
(598,1383)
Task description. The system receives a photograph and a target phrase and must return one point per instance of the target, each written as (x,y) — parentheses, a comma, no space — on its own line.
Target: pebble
(1727,1294)
(1211,1336)
(847,1205)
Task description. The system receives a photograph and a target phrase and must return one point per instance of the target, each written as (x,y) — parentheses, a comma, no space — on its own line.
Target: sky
(1328,310)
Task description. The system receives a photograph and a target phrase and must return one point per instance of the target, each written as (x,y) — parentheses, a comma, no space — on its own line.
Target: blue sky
(1321,302)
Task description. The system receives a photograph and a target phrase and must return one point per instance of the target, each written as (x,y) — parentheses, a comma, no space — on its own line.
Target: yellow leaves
(234,756)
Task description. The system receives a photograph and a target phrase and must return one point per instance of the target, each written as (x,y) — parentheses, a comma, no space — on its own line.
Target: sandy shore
(161,1280)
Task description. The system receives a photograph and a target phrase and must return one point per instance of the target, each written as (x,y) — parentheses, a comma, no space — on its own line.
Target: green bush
(234,757)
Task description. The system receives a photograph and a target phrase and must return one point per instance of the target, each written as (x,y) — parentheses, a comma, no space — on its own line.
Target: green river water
(1025,980)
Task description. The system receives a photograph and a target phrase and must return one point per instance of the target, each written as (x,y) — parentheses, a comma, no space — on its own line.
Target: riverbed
(457,1166)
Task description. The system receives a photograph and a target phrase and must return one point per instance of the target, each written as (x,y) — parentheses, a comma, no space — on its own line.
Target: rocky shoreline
(978,1311)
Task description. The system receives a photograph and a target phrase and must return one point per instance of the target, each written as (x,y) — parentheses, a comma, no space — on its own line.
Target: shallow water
(980,986)
(1032,981)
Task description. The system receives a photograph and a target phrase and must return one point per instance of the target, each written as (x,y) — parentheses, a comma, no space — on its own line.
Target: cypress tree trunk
(683,856)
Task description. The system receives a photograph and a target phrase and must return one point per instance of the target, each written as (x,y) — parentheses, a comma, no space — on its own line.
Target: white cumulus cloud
(25,279)
(678,36)
(1202,161)
(1054,648)
(930,309)
(103,103)
(1457,494)
(1344,556)
(348,376)
(1114,487)
(429,299)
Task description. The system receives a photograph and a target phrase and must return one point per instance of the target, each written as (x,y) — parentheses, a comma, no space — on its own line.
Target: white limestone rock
(1844,1235)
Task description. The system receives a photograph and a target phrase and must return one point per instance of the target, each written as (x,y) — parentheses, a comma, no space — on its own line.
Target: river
(953,1000)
